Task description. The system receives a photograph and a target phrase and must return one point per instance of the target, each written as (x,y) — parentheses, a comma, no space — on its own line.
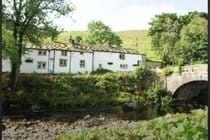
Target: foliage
(125,97)
(194,41)
(29,21)
(99,33)
(167,71)
(172,36)
(101,71)
(158,95)
(140,71)
(69,90)
(164,36)
(190,126)
(9,49)
(78,39)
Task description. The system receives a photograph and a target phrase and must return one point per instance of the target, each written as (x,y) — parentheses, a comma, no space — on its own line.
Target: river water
(144,113)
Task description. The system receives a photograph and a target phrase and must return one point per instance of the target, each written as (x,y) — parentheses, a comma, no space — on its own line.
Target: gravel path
(48,129)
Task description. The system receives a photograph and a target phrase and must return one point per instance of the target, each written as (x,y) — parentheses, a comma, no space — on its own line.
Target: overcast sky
(125,14)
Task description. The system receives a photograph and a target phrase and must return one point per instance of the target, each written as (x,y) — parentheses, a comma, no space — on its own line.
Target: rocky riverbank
(48,129)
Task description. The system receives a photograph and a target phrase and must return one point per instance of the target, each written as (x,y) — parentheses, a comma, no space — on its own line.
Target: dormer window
(42,52)
(64,53)
(122,56)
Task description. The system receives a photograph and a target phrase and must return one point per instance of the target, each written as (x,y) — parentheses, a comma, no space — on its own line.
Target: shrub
(167,71)
(69,90)
(140,71)
(101,71)
(170,127)
(157,94)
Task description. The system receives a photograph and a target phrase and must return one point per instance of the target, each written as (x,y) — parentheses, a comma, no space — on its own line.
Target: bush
(140,71)
(171,127)
(101,71)
(167,71)
(157,94)
(69,90)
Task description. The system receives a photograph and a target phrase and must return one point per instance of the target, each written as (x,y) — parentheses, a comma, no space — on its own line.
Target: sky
(124,14)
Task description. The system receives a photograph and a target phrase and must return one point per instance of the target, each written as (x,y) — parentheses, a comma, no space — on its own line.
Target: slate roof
(81,48)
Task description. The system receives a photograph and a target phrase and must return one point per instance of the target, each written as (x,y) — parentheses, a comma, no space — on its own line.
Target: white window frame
(100,66)
(64,53)
(82,64)
(124,66)
(122,56)
(41,65)
(63,62)
(42,52)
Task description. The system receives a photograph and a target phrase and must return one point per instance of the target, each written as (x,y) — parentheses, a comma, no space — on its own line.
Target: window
(110,63)
(42,52)
(123,66)
(29,60)
(41,65)
(122,56)
(82,63)
(63,63)
(100,66)
(64,53)
(81,53)
(138,62)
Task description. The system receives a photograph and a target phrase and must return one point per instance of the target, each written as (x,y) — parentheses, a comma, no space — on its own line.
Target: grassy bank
(65,91)
(61,91)
(192,126)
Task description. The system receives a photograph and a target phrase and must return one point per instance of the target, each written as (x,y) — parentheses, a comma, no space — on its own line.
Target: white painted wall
(105,57)
(26,67)
(75,62)
(58,56)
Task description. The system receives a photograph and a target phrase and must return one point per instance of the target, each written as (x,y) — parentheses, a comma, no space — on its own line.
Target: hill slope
(137,39)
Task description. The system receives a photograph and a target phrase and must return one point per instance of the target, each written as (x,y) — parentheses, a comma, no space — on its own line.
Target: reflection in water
(143,113)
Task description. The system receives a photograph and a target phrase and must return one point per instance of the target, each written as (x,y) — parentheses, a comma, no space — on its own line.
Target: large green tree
(99,33)
(193,45)
(31,21)
(166,32)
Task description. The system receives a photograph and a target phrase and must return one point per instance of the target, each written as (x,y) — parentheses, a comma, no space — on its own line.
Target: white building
(65,58)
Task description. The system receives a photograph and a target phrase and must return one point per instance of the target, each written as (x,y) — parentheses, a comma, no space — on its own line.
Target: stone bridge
(193,79)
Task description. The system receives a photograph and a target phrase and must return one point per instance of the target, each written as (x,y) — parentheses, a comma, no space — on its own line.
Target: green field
(137,39)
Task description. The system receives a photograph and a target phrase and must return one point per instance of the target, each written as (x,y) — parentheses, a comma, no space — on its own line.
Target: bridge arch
(196,90)
(176,81)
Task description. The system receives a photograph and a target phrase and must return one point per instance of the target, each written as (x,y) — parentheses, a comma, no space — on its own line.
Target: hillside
(136,39)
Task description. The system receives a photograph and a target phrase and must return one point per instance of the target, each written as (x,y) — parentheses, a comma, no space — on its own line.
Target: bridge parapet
(189,74)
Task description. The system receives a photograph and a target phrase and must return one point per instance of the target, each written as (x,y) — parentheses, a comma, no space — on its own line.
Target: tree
(164,33)
(29,20)
(140,73)
(99,33)
(78,39)
(193,44)
(9,50)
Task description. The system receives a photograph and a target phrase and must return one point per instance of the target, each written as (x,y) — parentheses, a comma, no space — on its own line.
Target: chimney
(71,41)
